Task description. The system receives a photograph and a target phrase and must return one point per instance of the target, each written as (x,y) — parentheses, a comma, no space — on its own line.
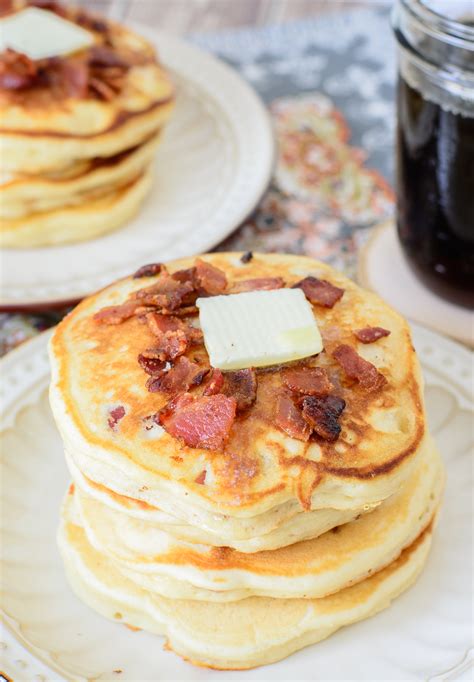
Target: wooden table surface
(194,16)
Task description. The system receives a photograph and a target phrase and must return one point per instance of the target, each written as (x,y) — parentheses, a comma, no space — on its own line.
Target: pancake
(21,196)
(96,103)
(234,635)
(261,476)
(161,564)
(77,223)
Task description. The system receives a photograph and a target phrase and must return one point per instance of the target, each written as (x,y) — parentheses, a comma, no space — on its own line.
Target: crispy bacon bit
(214,383)
(203,422)
(257,284)
(246,257)
(209,278)
(289,418)
(101,55)
(319,291)
(201,478)
(115,416)
(371,334)
(116,314)
(17,71)
(241,385)
(307,380)
(149,270)
(151,362)
(166,293)
(322,414)
(187,275)
(169,326)
(182,375)
(358,369)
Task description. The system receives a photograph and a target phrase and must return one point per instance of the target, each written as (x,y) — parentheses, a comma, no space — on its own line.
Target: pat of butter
(41,34)
(258,328)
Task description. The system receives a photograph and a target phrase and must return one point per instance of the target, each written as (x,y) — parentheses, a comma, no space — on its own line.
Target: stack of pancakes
(242,554)
(78,134)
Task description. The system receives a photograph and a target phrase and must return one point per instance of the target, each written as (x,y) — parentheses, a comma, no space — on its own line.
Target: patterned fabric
(326,193)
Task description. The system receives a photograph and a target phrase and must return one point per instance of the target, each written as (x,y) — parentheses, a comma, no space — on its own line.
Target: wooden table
(194,16)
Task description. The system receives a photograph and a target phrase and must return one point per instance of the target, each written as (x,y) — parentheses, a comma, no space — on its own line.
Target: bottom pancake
(77,223)
(231,635)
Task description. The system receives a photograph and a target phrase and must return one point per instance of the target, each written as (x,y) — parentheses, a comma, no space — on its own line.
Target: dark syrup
(435,186)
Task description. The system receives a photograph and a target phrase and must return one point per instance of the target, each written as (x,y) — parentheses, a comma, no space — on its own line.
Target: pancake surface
(261,476)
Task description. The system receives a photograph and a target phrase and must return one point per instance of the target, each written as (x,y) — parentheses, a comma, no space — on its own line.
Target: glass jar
(435,143)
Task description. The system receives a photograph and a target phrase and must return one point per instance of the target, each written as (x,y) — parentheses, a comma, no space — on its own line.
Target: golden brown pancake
(261,476)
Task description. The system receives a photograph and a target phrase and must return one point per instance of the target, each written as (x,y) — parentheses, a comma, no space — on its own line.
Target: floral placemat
(332,178)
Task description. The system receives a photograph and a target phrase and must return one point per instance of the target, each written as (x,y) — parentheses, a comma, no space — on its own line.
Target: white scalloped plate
(50,635)
(212,167)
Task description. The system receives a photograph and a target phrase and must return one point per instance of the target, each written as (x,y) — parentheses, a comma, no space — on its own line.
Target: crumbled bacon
(319,291)
(115,415)
(209,279)
(116,314)
(358,369)
(101,55)
(371,334)
(307,380)
(322,414)
(201,478)
(241,385)
(166,293)
(151,362)
(214,383)
(289,418)
(187,275)
(257,284)
(17,71)
(182,375)
(149,270)
(199,422)
(246,257)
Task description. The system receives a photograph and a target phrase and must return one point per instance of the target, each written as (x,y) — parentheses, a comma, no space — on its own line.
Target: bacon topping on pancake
(181,376)
(371,334)
(290,419)
(246,257)
(201,478)
(257,284)
(115,415)
(172,334)
(150,361)
(320,292)
(209,278)
(307,380)
(149,270)
(199,422)
(358,369)
(17,71)
(214,383)
(241,385)
(116,314)
(322,414)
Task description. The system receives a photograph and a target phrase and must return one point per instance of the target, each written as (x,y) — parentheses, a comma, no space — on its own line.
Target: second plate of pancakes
(212,166)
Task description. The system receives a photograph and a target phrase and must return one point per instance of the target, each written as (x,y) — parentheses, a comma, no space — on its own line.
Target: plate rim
(265,161)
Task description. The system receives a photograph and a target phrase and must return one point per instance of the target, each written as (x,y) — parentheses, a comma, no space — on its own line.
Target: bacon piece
(322,414)
(319,291)
(151,362)
(307,380)
(201,478)
(358,369)
(149,270)
(215,382)
(17,71)
(116,314)
(182,375)
(167,324)
(246,257)
(199,422)
(241,385)
(187,275)
(209,278)
(115,415)
(371,334)
(289,418)
(165,293)
(101,55)
(257,284)
(75,74)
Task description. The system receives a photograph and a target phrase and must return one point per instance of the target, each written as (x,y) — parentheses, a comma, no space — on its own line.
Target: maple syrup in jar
(435,143)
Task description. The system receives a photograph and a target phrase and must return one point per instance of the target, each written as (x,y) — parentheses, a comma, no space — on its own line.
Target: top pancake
(97,102)
(261,469)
